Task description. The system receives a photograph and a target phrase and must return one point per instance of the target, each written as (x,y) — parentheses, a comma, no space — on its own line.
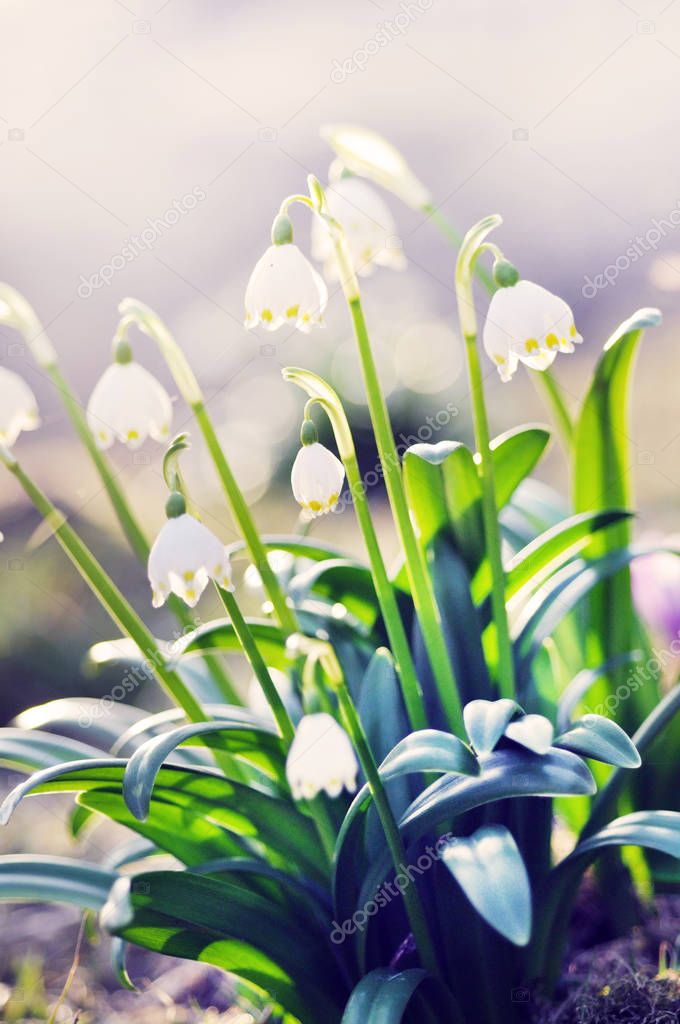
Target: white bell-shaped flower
(128,404)
(18,407)
(321,757)
(368,225)
(317,477)
(528,323)
(284,288)
(184,556)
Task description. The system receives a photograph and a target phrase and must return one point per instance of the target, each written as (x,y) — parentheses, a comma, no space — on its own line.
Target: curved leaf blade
(601,739)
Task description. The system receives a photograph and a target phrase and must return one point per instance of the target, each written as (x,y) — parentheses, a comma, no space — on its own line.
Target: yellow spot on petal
(572,331)
(292,312)
(552,341)
(499,358)
(188,576)
(267,315)
(132,435)
(102,435)
(332,500)
(248,317)
(314,506)
(306,318)
(190,594)
(531,345)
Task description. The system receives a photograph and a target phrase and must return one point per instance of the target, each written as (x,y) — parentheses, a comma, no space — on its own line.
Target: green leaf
(579,686)
(54,880)
(429,750)
(602,739)
(29,751)
(489,869)
(223,923)
(383,996)
(219,635)
(342,581)
(442,488)
(487,720)
(301,547)
(82,718)
(257,743)
(380,705)
(515,454)
(603,479)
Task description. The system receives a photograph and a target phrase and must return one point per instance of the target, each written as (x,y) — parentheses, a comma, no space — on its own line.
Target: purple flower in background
(656,592)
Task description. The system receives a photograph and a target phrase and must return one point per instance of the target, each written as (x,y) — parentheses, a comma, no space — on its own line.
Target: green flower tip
(175,505)
(308,434)
(282,230)
(122,352)
(505,274)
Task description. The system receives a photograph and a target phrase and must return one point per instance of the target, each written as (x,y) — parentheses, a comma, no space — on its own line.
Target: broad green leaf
(442,488)
(388,997)
(301,547)
(487,720)
(54,880)
(219,635)
(603,479)
(429,750)
(515,454)
(221,922)
(82,718)
(602,739)
(258,744)
(342,581)
(381,706)
(30,751)
(490,871)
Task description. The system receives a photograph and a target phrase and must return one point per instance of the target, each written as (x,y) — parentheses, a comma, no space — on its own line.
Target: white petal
(18,407)
(285,288)
(321,757)
(317,477)
(184,556)
(128,404)
(369,154)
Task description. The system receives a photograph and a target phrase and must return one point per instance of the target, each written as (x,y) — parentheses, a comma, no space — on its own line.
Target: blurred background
(561,117)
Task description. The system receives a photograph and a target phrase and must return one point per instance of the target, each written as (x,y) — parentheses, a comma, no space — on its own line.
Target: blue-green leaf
(602,739)
(487,720)
(429,750)
(489,869)
(54,880)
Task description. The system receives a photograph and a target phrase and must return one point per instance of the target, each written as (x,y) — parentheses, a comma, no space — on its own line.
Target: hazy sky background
(562,117)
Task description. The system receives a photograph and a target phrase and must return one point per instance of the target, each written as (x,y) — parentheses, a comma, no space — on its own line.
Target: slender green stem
(492,533)
(412,901)
(554,399)
(424,600)
(127,520)
(241,513)
(257,663)
(325,396)
(109,596)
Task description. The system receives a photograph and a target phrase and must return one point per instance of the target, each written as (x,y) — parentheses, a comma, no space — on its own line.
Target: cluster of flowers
(525,323)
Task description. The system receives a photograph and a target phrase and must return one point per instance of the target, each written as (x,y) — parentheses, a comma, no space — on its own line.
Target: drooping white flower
(368,225)
(366,153)
(18,407)
(284,288)
(128,404)
(317,477)
(321,757)
(528,323)
(184,556)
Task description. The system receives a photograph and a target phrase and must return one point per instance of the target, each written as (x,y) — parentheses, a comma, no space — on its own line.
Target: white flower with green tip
(184,557)
(527,323)
(317,477)
(128,405)
(284,288)
(18,407)
(321,759)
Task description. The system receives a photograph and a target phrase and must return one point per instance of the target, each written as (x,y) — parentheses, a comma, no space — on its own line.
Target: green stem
(553,398)
(128,523)
(492,533)
(412,902)
(325,396)
(424,600)
(109,596)
(324,826)
(241,513)
(257,663)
